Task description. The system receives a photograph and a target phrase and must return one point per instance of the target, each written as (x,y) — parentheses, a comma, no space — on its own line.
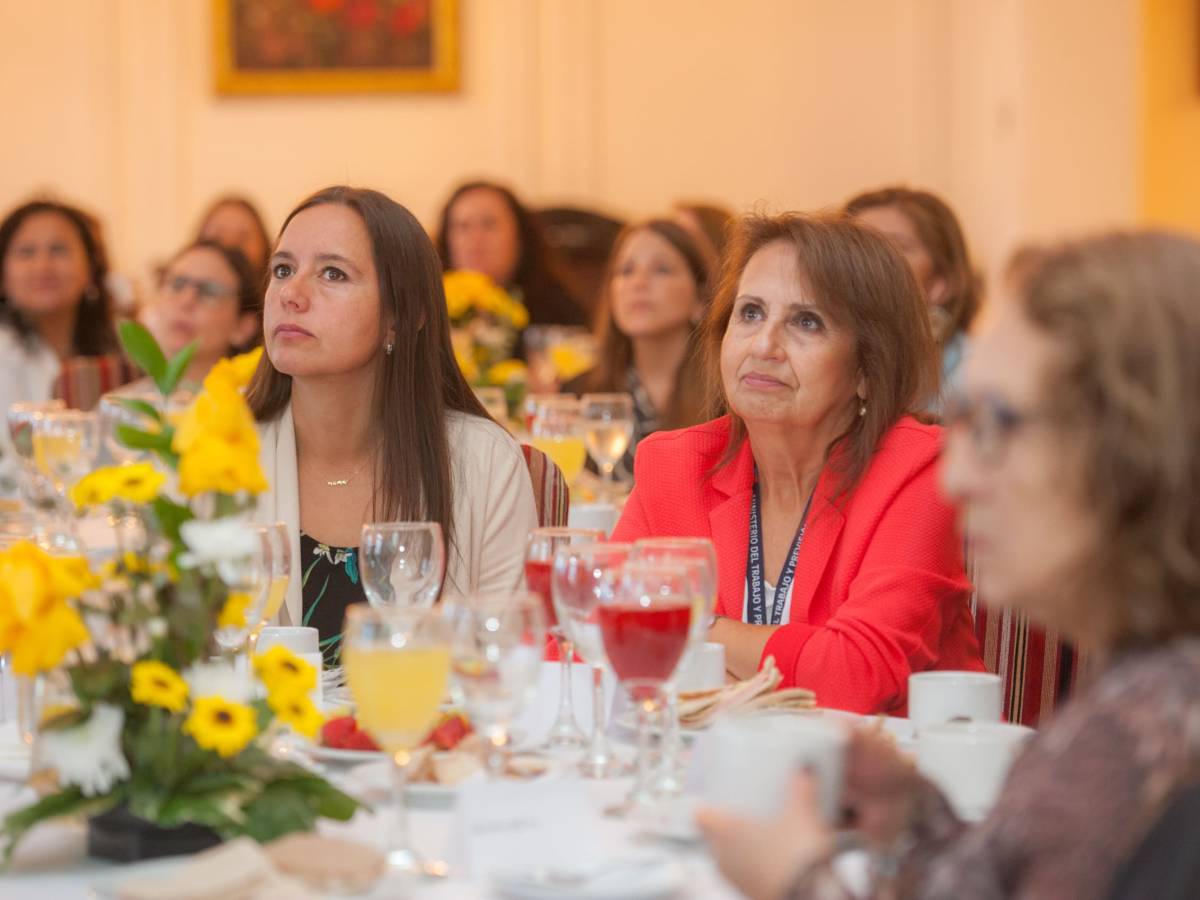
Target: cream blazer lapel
(281,502)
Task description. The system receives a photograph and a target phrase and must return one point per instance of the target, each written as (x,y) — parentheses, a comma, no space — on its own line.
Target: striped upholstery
(83,379)
(550,491)
(1039,670)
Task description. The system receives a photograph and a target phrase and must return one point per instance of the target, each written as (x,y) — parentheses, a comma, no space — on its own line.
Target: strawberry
(359,740)
(335,731)
(449,732)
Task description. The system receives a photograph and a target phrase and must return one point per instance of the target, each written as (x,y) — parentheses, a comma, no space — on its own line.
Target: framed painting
(335,46)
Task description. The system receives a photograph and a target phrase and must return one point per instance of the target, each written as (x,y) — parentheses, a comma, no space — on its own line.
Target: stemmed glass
(578,583)
(279,572)
(35,487)
(555,431)
(607,430)
(497,651)
(402,563)
(699,558)
(251,575)
(646,611)
(540,548)
(65,444)
(397,662)
(114,413)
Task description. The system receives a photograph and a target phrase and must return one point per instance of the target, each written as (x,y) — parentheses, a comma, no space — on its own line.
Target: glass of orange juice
(556,430)
(397,663)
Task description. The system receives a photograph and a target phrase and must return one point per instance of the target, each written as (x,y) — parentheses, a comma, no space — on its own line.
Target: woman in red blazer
(836,555)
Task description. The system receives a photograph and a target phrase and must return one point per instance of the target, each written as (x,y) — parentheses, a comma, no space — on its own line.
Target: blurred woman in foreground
(1072,455)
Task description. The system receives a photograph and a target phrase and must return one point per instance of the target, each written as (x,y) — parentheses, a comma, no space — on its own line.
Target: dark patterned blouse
(329,583)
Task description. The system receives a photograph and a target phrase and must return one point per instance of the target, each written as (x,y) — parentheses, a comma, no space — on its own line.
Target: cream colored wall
(1021,111)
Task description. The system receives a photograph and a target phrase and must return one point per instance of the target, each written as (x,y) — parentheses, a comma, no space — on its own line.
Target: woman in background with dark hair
(927,233)
(233,221)
(54,300)
(485,228)
(655,294)
(364,414)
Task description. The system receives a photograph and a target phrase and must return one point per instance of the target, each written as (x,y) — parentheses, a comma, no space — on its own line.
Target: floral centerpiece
(486,322)
(152,727)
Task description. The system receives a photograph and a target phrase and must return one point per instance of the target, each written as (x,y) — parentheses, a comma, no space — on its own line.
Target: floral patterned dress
(329,583)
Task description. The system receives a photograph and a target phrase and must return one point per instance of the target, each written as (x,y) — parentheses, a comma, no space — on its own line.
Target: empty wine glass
(279,571)
(607,430)
(65,444)
(249,576)
(579,578)
(556,432)
(645,615)
(114,413)
(699,558)
(499,639)
(402,563)
(397,664)
(540,548)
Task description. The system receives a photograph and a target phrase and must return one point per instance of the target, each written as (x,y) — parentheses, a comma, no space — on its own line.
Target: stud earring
(389,348)
(862,409)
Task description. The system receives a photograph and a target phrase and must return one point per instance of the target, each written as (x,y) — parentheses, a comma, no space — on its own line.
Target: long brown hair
(418,383)
(942,237)
(616,349)
(868,288)
(1124,311)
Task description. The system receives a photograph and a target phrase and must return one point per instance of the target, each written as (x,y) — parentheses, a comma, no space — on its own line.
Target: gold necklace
(343,482)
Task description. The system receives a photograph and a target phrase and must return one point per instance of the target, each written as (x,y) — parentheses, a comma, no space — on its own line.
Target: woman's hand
(880,787)
(761,857)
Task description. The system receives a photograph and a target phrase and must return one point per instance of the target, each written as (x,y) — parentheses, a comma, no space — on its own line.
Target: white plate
(108,885)
(641,876)
(348,757)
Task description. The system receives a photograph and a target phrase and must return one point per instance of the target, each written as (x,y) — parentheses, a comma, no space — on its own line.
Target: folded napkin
(697,709)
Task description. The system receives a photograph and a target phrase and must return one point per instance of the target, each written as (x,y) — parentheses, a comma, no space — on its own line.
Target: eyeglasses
(207,291)
(989,420)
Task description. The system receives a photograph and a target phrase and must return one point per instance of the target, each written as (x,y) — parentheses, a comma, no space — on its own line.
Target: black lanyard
(756,603)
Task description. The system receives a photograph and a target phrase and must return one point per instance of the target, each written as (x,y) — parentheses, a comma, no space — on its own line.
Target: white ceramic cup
(703,669)
(303,641)
(593,515)
(969,761)
(938,697)
(750,760)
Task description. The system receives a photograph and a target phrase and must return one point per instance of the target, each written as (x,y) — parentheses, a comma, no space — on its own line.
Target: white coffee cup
(749,761)
(703,669)
(938,697)
(969,761)
(602,516)
(303,641)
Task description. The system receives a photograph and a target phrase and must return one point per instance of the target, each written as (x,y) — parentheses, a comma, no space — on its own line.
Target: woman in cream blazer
(363,413)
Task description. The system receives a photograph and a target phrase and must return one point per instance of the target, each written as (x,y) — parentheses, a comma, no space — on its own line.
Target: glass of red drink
(580,573)
(540,548)
(645,616)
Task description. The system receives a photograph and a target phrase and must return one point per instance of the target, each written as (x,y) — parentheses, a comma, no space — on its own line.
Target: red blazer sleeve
(905,611)
(633,524)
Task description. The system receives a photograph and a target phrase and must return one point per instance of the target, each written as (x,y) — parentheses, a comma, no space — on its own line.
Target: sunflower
(295,708)
(216,724)
(282,670)
(156,684)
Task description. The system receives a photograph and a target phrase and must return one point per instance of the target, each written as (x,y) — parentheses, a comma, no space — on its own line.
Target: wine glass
(607,430)
(250,575)
(497,651)
(494,402)
(402,563)
(65,444)
(556,432)
(35,487)
(699,557)
(540,548)
(113,414)
(397,662)
(532,402)
(577,583)
(279,570)
(645,612)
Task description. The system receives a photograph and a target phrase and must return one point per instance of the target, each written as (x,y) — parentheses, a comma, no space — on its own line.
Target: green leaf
(141,407)
(100,681)
(276,811)
(175,369)
(143,350)
(170,515)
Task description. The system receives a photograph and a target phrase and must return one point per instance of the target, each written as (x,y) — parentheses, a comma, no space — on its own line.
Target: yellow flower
(569,361)
(133,482)
(153,683)
(466,364)
(93,489)
(216,440)
(295,708)
(473,291)
(216,724)
(233,612)
(37,624)
(506,372)
(282,670)
(244,366)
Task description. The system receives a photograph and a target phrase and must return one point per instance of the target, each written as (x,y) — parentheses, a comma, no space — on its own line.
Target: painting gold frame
(442,75)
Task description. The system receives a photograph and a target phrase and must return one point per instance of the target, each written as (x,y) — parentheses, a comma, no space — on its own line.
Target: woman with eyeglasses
(209,295)
(1072,458)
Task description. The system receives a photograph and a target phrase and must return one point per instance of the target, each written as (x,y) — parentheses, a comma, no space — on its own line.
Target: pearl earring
(389,348)
(862,409)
